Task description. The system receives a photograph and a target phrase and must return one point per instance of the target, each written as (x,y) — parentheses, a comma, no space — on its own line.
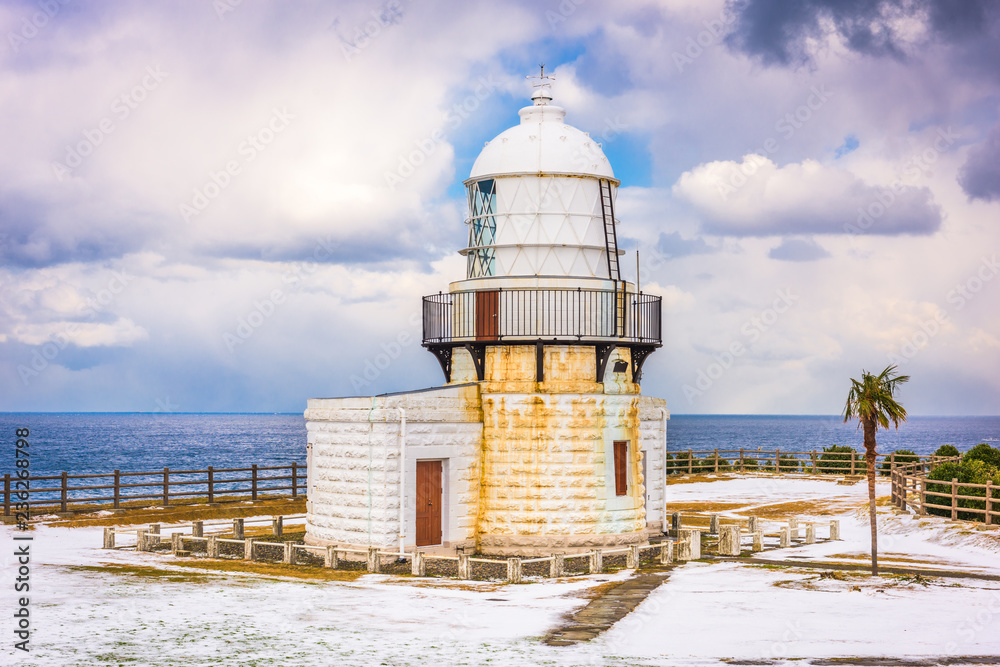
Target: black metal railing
(533,314)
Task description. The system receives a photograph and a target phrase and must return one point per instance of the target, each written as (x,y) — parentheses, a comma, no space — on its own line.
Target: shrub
(680,463)
(902,457)
(786,463)
(947,451)
(969,471)
(748,464)
(836,460)
(983,452)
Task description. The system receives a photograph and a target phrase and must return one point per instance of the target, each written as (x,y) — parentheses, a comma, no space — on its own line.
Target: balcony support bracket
(478,352)
(603,354)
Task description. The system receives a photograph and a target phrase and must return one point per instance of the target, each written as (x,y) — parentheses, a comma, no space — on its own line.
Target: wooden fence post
(716,454)
(853,453)
(166,486)
(65,492)
(118,487)
(812,459)
(295,480)
(253,488)
(690,461)
(211,485)
(777,460)
(923,496)
(954,497)
(741,460)
(989,501)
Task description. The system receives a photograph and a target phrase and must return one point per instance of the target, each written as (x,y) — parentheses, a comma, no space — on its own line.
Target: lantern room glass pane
(482,228)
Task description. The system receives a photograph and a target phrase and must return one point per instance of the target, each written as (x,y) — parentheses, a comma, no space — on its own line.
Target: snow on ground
(83,614)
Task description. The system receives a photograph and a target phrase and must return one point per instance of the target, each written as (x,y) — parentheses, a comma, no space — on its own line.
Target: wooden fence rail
(748,460)
(910,489)
(164,487)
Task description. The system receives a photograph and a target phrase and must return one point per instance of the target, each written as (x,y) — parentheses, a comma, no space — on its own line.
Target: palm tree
(872,403)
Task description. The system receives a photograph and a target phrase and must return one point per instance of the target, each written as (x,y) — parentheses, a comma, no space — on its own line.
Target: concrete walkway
(607,609)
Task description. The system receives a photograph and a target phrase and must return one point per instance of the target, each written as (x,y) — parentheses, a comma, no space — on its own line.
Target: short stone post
(793,527)
(632,556)
(729,541)
(109,537)
(754,524)
(758,541)
(785,537)
(810,533)
(374,561)
(557,566)
(675,524)
(835,529)
(248,548)
(330,557)
(176,543)
(683,550)
(197,529)
(596,561)
(140,541)
(666,553)
(238,529)
(277,526)
(153,536)
(464,567)
(514,570)
(289,555)
(693,539)
(418,566)
(713,524)
(212,546)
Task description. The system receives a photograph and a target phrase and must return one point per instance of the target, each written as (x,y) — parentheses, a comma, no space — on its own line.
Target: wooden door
(487,315)
(428,503)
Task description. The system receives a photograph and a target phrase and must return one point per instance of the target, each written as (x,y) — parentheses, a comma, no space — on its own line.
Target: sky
(234,206)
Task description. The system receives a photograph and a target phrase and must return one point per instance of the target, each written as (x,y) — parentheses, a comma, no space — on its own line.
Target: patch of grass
(145,572)
(187,513)
(272,569)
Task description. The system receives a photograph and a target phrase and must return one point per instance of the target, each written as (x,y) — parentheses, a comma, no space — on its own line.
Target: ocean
(101,442)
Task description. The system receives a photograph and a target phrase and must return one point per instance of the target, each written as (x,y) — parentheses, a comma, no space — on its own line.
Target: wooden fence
(749,460)
(911,488)
(163,487)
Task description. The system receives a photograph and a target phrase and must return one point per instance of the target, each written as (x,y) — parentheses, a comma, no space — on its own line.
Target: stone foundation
(546,545)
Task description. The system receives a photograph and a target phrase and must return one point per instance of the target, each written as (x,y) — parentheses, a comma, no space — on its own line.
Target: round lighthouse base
(546,545)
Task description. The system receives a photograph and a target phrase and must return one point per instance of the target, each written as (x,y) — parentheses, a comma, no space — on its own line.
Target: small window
(621,467)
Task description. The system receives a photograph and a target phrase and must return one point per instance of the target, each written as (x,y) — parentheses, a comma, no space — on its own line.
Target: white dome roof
(542,143)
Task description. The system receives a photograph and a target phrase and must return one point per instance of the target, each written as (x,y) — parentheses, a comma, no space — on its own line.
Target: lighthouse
(540,440)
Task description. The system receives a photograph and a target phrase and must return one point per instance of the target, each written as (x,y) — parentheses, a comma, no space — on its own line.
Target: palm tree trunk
(869,428)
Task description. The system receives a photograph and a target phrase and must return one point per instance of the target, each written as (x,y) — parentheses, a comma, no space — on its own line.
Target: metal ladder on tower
(611,243)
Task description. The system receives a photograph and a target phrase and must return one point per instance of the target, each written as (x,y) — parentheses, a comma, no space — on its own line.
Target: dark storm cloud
(980,175)
(779,32)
